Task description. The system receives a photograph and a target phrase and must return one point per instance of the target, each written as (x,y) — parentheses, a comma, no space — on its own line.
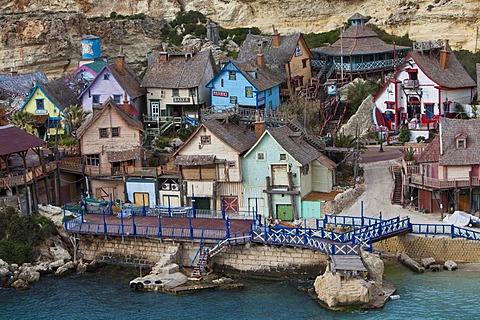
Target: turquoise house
(244,85)
(284,166)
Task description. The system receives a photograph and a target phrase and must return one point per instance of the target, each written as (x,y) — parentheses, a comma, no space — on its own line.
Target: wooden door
(279,175)
(464,203)
(285,212)
(141,199)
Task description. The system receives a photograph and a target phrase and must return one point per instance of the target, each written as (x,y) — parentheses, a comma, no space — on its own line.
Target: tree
(75,116)
(357,91)
(23,119)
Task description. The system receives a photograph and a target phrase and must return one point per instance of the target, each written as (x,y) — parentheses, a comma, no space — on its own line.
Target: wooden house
(111,146)
(15,87)
(428,85)
(285,165)
(359,52)
(447,177)
(118,82)
(47,101)
(81,77)
(288,55)
(175,84)
(245,85)
(210,165)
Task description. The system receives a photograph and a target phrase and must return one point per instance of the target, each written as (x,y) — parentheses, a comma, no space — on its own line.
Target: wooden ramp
(347,263)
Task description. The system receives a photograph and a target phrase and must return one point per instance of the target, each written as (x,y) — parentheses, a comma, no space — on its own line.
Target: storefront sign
(220,93)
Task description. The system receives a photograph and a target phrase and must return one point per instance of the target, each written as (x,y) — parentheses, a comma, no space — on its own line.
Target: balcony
(435,183)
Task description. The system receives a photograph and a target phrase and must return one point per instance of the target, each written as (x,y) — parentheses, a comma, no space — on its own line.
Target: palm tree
(23,119)
(75,116)
(357,91)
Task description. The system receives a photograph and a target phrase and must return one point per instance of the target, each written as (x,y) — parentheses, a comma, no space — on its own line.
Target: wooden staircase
(397,189)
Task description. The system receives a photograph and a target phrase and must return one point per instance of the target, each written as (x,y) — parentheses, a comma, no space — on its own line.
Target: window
(429,113)
(103,132)
(233,100)
(175,93)
(461,144)
(232,164)
(260,156)
(106,76)
(390,104)
(205,140)
(304,63)
(95,98)
(248,92)
(40,104)
(115,132)
(192,92)
(270,104)
(155,109)
(298,51)
(92,160)
(221,83)
(283,156)
(270,91)
(232,75)
(117,98)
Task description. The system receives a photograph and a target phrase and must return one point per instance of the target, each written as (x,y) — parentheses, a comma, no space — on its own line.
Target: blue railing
(444,229)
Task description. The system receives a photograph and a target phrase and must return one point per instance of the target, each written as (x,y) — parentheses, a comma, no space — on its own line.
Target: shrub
(408,154)
(420,139)
(404,135)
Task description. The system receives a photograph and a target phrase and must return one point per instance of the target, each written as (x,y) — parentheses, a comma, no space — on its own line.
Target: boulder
(3,264)
(56,264)
(13,267)
(338,294)
(42,267)
(374,266)
(450,265)
(427,262)
(28,274)
(82,267)
(60,253)
(20,284)
(410,263)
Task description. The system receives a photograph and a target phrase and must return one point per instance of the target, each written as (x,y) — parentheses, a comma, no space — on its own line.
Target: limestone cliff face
(49,31)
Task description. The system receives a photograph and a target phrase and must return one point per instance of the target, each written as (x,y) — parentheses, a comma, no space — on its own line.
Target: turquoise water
(105,295)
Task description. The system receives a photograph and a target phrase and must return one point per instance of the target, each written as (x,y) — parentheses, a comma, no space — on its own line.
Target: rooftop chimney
(275,38)
(260,60)
(121,61)
(260,126)
(444,55)
(13,70)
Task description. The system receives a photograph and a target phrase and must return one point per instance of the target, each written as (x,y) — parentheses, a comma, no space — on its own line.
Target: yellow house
(47,103)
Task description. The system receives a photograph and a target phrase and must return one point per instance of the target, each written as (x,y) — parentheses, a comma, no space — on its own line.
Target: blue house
(285,166)
(245,85)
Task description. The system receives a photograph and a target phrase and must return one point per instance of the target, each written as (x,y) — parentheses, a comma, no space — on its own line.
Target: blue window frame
(429,111)
(40,104)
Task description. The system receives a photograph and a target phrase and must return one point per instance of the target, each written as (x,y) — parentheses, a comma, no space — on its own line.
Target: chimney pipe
(260,126)
(260,60)
(444,56)
(121,61)
(275,38)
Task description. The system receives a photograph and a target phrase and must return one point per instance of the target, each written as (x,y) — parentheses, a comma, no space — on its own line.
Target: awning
(41,118)
(118,156)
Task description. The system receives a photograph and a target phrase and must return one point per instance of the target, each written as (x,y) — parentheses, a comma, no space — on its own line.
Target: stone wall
(254,259)
(343,200)
(440,248)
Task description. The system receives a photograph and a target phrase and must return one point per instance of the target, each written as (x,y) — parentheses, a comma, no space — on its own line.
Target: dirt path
(378,188)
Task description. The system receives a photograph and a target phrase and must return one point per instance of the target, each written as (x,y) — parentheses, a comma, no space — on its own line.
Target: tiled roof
(134,123)
(273,55)
(59,93)
(266,79)
(431,153)
(96,66)
(293,143)
(177,71)
(358,40)
(449,129)
(21,84)
(241,139)
(454,76)
(357,16)
(129,81)
(14,139)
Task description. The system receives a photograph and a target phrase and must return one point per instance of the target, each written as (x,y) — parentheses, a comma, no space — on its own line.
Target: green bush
(420,139)
(404,135)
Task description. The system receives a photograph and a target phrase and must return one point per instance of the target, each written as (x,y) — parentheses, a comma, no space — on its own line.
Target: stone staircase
(397,189)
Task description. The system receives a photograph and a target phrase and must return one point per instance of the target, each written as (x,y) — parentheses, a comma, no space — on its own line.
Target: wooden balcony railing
(421,180)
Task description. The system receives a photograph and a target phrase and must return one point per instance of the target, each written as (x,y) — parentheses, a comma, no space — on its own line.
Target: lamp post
(381,139)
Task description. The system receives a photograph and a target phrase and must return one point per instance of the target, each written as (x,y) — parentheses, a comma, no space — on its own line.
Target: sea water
(106,295)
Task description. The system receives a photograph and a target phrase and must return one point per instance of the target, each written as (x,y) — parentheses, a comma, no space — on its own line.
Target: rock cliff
(48,32)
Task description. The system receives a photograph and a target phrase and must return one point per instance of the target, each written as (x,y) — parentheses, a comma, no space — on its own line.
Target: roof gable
(107,106)
(449,131)
(59,94)
(21,84)
(18,140)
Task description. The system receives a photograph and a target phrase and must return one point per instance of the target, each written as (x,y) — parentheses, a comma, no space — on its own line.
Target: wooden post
(269,198)
(292,196)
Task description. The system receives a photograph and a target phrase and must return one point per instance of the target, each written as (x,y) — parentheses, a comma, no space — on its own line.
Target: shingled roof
(128,79)
(179,71)
(358,40)
(431,153)
(134,123)
(239,138)
(294,143)
(21,84)
(275,56)
(18,140)
(478,81)
(449,131)
(59,93)
(453,76)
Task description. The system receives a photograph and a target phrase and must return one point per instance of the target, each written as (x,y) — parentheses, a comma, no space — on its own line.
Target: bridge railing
(347,221)
(444,229)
